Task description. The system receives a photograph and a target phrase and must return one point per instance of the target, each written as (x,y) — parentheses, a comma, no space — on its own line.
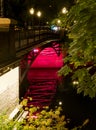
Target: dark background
(19,9)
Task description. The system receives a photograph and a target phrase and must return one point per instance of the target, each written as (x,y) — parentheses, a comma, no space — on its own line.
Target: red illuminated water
(43,77)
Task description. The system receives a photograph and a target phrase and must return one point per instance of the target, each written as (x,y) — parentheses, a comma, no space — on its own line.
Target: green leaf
(65,70)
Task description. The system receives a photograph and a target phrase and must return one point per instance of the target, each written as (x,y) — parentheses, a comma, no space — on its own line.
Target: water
(42,86)
(46,89)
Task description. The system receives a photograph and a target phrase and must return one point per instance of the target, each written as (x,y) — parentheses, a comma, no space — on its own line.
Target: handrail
(18,40)
(29,37)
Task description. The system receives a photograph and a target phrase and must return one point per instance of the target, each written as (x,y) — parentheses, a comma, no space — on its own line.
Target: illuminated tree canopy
(81,23)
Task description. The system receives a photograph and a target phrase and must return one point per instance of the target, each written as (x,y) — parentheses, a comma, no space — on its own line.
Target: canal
(47,89)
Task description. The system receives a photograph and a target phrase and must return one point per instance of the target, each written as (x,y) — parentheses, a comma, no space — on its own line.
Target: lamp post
(1,8)
(31,11)
(58,21)
(39,15)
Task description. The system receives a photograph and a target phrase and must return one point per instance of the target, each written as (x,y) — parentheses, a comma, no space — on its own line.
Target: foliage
(6,124)
(41,120)
(44,119)
(36,119)
(81,24)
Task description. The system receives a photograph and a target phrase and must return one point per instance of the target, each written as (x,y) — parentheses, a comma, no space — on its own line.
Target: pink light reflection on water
(43,77)
(48,59)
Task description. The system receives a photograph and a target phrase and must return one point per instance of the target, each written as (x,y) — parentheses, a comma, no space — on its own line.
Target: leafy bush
(35,120)
(46,119)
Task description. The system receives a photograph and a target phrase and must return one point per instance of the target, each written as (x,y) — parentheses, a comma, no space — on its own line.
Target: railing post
(1,8)
(27,36)
(34,34)
(19,38)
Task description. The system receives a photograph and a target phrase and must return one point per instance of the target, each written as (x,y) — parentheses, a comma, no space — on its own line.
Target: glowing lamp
(75,82)
(36,50)
(60,103)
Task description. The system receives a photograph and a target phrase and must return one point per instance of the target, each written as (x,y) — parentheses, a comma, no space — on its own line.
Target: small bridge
(15,44)
(18,49)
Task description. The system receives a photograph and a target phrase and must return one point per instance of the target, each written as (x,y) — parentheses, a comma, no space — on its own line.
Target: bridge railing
(13,41)
(27,38)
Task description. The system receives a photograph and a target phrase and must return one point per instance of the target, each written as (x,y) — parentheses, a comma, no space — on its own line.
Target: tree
(81,59)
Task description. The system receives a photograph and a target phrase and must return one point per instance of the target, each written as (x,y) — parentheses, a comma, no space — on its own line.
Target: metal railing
(29,37)
(15,43)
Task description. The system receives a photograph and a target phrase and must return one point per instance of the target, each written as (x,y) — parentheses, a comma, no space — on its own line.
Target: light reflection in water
(43,78)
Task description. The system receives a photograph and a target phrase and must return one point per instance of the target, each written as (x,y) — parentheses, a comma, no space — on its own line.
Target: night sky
(50,8)
(19,9)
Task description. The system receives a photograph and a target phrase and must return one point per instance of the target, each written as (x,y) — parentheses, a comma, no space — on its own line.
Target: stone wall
(9,91)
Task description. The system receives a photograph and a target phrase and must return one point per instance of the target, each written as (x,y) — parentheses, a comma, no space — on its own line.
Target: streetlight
(31,11)
(64,10)
(47,22)
(58,21)
(39,15)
